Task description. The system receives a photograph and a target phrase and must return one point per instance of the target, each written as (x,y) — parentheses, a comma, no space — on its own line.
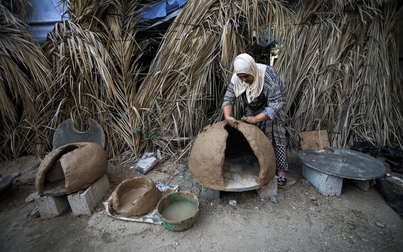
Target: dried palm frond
(339,80)
(87,13)
(122,18)
(24,79)
(19,8)
(84,86)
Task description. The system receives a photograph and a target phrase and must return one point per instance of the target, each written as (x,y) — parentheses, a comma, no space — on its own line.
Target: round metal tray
(343,163)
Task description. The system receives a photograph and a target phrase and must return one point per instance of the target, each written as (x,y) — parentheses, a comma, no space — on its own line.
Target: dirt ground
(301,220)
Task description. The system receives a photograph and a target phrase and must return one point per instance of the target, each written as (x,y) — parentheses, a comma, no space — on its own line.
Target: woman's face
(246,78)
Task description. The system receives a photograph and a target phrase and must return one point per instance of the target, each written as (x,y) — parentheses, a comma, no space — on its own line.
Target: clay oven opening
(228,159)
(54,183)
(241,166)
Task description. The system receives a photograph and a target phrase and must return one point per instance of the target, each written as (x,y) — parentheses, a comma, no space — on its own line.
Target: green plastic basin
(173,199)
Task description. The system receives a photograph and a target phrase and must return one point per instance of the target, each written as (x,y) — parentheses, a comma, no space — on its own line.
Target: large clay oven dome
(219,143)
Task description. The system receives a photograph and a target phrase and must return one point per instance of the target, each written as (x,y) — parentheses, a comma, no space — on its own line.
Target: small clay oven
(70,168)
(135,196)
(221,155)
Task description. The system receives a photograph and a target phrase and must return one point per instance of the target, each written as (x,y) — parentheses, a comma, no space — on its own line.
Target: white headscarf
(244,63)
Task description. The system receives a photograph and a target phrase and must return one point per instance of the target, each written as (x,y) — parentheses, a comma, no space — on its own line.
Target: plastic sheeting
(393,154)
(393,197)
(46,13)
(162,9)
(43,17)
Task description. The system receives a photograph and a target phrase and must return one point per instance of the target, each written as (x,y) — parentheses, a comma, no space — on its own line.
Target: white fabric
(245,64)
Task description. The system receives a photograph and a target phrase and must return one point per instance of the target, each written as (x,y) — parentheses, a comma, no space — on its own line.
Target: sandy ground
(302,220)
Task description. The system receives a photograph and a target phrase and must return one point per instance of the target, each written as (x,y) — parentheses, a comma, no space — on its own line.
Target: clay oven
(70,168)
(219,144)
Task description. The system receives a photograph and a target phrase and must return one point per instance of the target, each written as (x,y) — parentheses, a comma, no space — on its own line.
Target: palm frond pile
(94,56)
(342,72)
(186,83)
(339,60)
(24,81)
(19,8)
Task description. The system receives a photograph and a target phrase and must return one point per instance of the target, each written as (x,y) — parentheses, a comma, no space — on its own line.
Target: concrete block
(209,194)
(326,184)
(269,190)
(83,203)
(51,206)
(364,184)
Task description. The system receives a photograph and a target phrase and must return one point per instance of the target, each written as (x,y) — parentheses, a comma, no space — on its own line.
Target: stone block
(83,203)
(51,206)
(363,184)
(209,194)
(269,190)
(326,184)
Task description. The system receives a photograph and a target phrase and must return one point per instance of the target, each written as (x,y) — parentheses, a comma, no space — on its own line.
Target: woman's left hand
(249,119)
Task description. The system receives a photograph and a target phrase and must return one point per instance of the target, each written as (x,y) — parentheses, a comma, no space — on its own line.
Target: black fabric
(365,147)
(392,155)
(392,197)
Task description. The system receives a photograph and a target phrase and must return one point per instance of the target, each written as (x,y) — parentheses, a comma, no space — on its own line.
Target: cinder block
(51,206)
(364,184)
(269,190)
(326,184)
(85,202)
(209,194)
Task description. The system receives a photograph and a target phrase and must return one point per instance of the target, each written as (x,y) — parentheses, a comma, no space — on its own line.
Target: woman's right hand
(231,121)
(227,115)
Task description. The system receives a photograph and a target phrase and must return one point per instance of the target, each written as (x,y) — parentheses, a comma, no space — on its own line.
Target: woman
(265,97)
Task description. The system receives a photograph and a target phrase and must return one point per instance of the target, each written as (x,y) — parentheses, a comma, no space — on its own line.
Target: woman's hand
(249,119)
(255,119)
(227,115)
(231,121)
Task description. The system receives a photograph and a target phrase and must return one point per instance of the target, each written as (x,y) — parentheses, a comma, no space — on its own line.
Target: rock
(32,197)
(380,225)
